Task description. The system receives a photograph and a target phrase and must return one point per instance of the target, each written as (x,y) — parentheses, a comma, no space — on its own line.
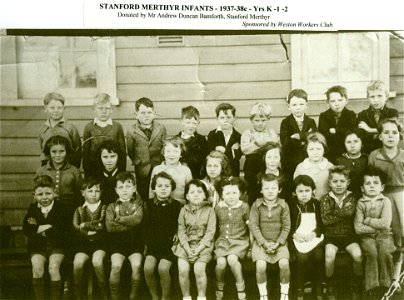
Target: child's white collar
(92,206)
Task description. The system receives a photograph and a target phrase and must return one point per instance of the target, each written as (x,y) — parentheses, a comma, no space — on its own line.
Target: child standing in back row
(252,142)
(102,128)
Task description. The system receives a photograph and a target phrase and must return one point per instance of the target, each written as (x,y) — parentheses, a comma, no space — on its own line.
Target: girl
(270,226)
(173,150)
(316,165)
(109,155)
(306,229)
(196,230)
(160,226)
(390,160)
(252,141)
(45,226)
(89,226)
(67,178)
(233,242)
(215,168)
(354,160)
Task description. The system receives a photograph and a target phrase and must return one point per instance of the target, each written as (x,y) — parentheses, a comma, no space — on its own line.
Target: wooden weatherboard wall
(191,70)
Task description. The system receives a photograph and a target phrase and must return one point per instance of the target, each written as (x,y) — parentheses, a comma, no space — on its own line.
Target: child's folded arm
(359,225)
(247,145)
(110,223)
(384,221)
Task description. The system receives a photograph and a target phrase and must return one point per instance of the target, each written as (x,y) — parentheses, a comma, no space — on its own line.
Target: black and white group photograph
(178,165)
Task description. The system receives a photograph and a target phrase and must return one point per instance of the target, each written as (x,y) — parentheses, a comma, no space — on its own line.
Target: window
(76,67)
(352,60)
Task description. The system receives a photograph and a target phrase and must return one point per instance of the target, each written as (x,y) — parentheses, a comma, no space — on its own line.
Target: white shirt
(92,206)
(102,123)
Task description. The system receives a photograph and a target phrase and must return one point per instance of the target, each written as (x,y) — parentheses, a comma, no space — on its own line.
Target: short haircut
(226,170)
(337,89)
(53,96)
(110,146)
(177,142)
(317,137)
(342,170)
(305,180)
(102,99)
(231,180)
(43,181)
(224,107)
(268,178)
(261,110)
(57,140)
(190,112)
(125,176)
(89,182)
(374,172)
(391,121)
(377,85)
(143,101)
(164,175)
(198,183)
(353,131)
(298,93)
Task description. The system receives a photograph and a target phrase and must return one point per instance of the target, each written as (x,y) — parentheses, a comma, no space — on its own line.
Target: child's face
(172,154)
(377,98)
(92,194)
(109,160)
(372,186)
(338,183)
(337,102)
(213,167)
(44,195)
(54,110)
(304,193)
(58,154)
(315,151)
(125,190)
(259,123)
(103,111)
(145,115)
(195,195)
(272,159)
(270,190)
(226,119)
(390,135)
(353,144)
(297,106)
(231,194)
(163,189)
(189,125)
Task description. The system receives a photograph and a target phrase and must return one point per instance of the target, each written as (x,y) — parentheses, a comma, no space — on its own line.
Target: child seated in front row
(45,225)
(196,231)
(196,145)
(372,224)
(89,226)
(252,142)
(173,152)
(306,235)
(338,213)
(270,225)
(123,220)
(233,243)
(159,227)
(225,138)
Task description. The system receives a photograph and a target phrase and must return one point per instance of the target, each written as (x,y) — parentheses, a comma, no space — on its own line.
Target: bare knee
(116,267)
(183,269)
(98,261)
(54,270)
(330,254)
(261,266)
(38,267)
(164,268)
(232,260)
(283,264)
(356,254)
(221,263)
(199,269)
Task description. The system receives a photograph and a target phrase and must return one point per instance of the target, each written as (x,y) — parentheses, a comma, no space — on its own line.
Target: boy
(89,226)
(145,142)
(195,143)
(334,122)
(369,119)
(337,213)
(372,223)
(109,156)
(100,129)
(123,221)
(54,105)
(294,129)
(45,225)
(225,138)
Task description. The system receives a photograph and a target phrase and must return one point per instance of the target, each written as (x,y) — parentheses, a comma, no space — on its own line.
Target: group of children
(309,193)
